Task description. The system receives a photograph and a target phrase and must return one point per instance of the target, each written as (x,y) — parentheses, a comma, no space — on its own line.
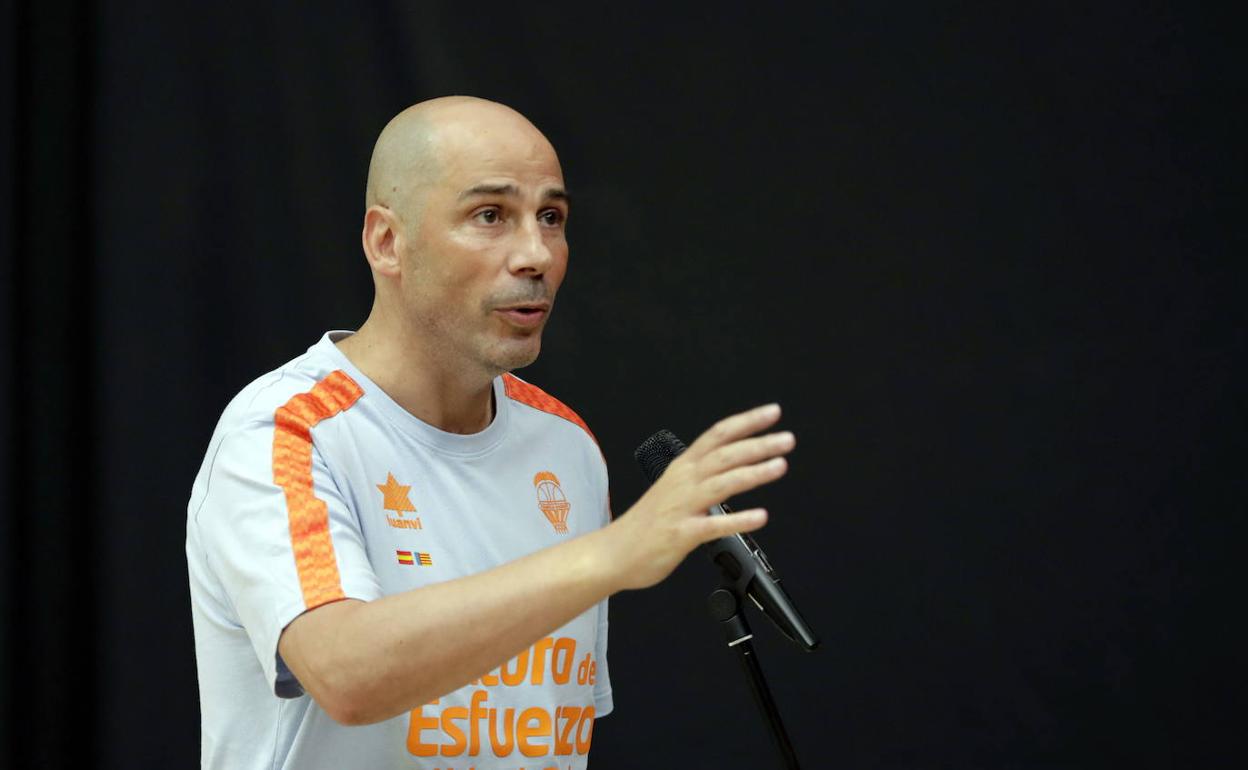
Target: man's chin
(516,354)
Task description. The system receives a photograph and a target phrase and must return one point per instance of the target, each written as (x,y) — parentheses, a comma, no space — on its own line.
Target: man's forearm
(368,661)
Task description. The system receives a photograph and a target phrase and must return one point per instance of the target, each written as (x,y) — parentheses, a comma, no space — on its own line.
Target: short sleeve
(604,703)
(280,539)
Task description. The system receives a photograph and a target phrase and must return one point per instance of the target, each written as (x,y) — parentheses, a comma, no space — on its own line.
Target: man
(400,554)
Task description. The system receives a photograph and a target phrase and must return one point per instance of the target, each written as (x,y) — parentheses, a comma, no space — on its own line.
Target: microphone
(738,556)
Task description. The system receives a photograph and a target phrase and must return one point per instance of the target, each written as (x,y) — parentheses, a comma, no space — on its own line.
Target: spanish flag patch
(405,557)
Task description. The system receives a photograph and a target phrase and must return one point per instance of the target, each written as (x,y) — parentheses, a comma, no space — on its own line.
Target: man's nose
(530,253)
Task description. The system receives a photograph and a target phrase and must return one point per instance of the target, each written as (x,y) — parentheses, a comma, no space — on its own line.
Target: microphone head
(657,452)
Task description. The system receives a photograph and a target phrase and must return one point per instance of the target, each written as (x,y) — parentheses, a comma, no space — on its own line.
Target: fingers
(713,527)
(732,428)
(733,482)
(748,451)
(728,459)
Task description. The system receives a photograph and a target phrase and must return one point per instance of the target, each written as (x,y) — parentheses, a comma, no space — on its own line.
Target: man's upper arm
(303,640)
(281,539)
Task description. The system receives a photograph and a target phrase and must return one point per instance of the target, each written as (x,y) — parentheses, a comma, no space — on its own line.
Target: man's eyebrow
(558,194)
(490,189)
(554,193)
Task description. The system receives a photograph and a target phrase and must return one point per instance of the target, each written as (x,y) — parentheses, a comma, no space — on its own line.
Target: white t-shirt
(317,486)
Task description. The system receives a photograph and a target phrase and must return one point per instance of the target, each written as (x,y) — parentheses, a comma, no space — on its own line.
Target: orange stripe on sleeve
(292,471)
(526,393)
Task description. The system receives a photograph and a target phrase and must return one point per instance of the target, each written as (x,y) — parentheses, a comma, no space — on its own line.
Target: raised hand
(671,519)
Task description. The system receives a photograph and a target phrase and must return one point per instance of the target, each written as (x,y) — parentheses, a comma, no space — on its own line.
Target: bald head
(416,147)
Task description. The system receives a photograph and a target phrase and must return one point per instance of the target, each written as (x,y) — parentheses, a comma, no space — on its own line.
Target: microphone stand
(725,606)
(742,565)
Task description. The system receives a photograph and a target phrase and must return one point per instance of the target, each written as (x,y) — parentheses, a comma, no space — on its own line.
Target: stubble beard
(515,349)
(512,353)
(482,348)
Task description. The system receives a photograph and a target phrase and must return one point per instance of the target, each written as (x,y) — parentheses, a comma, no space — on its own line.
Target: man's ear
(382,240)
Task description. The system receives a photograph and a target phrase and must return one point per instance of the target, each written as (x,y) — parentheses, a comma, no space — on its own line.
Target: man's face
(489,250)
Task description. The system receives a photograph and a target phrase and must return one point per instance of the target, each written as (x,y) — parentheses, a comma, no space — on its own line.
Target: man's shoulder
(296,386)
(295,396)
(532,396)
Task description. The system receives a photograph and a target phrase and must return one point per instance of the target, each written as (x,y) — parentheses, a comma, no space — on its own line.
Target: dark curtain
(54,517)
(987,258)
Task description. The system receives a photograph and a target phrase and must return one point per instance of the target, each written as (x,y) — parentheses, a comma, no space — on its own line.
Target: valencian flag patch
(407,557)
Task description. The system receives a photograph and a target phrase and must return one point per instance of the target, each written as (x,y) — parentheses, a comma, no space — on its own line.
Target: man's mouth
(525,314)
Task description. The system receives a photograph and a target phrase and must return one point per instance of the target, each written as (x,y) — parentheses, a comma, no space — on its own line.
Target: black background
(985,256)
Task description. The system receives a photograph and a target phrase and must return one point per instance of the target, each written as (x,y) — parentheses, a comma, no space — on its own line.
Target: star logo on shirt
(395,495)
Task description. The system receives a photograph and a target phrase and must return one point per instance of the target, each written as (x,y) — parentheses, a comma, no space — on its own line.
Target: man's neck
(434,391)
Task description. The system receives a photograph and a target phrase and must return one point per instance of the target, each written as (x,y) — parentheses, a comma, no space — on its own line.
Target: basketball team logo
(551,500)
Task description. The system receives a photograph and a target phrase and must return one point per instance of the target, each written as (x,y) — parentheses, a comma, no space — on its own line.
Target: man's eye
(551,217)
(488,216)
